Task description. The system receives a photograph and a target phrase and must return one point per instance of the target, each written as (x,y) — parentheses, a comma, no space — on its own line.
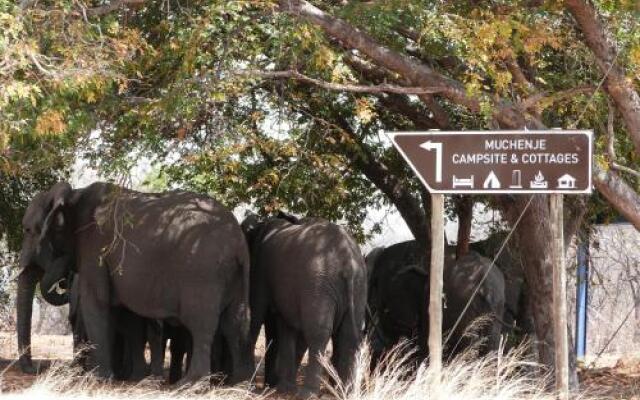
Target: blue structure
(582,295)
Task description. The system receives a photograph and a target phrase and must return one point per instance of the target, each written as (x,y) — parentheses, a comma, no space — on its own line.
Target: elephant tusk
(56,287)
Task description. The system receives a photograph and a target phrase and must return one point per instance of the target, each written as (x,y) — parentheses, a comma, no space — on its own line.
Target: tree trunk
(532,238)
(464,209)
(536,257)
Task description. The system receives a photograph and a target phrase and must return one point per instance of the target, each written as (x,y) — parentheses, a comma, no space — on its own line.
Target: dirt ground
(606,378)
(612,377)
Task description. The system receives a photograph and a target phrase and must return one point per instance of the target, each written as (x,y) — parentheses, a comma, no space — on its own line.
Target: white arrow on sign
(429,145)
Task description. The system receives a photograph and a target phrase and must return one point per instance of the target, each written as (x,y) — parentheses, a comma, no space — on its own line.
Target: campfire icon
(538,182)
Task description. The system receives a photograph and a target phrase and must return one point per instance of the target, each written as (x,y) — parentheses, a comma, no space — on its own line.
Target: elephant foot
(306,394)
(270,381)
(26,366)
(190,382)
(157,371)
(137,376)
(286,388)
(103,374)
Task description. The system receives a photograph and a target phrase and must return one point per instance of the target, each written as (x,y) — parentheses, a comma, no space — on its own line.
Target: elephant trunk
(24,303)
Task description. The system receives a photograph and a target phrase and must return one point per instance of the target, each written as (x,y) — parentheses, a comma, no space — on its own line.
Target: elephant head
(46,258)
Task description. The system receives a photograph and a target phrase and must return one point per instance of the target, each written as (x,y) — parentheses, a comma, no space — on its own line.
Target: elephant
(397,298)
(399,292)
(175,256)
(132,333)
(181,345)
(518,318)
(308,286)
(461,278)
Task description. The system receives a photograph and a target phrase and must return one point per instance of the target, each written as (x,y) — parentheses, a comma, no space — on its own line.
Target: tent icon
(491,182)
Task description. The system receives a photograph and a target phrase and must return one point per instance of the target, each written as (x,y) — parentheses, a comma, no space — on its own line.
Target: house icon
(566,181)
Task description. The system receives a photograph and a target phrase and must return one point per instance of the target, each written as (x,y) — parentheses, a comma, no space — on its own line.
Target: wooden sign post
(559,297)
(436,282)
(494,162)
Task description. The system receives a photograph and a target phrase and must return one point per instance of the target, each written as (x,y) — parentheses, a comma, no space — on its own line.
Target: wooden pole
(435,282)
(559,298)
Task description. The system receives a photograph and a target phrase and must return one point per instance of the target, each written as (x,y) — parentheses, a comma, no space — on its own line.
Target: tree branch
(416,73)
(518,75)
(611,149)
(531,101)
(343,87)
(401,105)
(112,6)
(619,194)
(604,48)
(440,115)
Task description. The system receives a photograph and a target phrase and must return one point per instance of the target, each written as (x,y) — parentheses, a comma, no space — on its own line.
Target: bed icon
(463,182)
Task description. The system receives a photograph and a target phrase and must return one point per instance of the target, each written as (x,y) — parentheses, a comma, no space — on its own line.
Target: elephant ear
(58,197)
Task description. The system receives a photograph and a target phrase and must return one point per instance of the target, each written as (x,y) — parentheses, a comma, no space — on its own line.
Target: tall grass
(493,377)
(64,382)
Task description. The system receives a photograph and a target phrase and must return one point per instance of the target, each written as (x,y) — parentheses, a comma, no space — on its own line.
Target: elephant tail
(245,265)
(357,287)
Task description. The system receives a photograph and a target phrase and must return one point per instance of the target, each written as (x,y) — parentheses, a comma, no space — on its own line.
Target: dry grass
(493,377)
(62,382)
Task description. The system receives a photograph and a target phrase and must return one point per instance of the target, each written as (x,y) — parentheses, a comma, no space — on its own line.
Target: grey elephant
(518,317)
(174,256)
(398,298)
(462,278)
(132,333)
(309,286)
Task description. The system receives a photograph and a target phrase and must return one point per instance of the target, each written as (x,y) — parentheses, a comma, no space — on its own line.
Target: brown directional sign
(554,161)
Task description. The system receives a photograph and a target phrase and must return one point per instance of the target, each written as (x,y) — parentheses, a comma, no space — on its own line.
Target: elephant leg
(317,340)
(178,348)
(220,358)
(201,359)
(118,363)
(285,364)
(345,346)
(317,328)
(235,326)
(131,328)
(99,325)
(137,344)
(202,335)
(270,356)
(301,348)
(189,350)
(80,341)
(156,347)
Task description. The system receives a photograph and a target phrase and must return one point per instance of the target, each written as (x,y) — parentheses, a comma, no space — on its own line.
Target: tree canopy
(239,99)
(284,104)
